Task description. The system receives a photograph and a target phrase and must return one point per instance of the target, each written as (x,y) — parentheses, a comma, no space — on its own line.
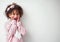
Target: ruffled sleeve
(11,29)
(21,29)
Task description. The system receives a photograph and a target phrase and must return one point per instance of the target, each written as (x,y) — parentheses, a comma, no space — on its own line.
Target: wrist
(13,22)
(18,23)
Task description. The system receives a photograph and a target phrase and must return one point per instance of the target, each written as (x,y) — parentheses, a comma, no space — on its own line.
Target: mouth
(15,18)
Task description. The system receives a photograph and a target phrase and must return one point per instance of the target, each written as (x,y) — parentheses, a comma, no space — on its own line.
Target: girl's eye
(13,13)
(17,14)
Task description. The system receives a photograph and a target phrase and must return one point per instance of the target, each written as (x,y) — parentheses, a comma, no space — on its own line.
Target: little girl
(14,27)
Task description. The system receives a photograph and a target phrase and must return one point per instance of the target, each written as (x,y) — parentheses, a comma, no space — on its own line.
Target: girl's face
(14,15)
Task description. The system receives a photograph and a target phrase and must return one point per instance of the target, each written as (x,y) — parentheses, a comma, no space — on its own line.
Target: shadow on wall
(27,38)
(25,20)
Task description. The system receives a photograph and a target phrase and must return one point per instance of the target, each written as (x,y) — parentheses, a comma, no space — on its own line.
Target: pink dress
(15,28)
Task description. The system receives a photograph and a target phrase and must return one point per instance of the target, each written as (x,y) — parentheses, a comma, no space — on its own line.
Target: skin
(14,15)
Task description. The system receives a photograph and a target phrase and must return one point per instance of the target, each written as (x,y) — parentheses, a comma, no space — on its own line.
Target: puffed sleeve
(11,28)
(21,28)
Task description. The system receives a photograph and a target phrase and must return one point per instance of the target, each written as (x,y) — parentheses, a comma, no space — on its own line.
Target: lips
(15,18)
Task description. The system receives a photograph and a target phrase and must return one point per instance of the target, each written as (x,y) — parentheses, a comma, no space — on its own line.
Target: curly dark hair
(17,7)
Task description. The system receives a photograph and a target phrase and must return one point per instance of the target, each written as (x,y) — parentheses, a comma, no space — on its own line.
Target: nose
(15,16)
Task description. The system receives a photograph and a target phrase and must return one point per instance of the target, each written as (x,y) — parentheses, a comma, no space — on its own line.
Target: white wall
(41,20)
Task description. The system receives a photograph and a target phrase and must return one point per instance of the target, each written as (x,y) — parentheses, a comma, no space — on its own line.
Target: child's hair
(12,7)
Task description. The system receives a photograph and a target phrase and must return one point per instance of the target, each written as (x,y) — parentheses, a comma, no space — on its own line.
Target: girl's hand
(13,22)
(18,19)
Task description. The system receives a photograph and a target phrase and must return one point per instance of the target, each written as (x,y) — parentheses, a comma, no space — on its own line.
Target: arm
(11,30)
(21,29)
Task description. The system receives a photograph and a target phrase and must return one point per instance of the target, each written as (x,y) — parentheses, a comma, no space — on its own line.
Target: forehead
(15,11)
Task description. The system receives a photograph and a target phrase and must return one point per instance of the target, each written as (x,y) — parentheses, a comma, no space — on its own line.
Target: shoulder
(8,22)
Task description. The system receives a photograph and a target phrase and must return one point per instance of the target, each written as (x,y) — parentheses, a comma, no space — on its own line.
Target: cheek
(12,16)
(19,16)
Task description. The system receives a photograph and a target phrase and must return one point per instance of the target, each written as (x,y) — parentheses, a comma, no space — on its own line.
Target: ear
(9,15)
